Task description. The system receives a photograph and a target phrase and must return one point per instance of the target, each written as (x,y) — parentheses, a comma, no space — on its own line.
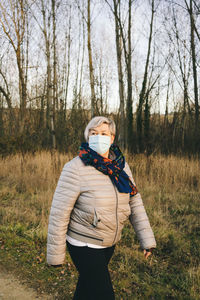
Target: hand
(147,252)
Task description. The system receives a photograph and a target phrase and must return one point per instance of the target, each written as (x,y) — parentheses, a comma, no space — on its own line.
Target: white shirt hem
(75,242)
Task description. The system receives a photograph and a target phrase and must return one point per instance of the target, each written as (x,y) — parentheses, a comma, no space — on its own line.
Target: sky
(103,46)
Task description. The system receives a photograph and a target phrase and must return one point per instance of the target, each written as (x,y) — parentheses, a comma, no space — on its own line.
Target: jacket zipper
(116,215)
(89,236)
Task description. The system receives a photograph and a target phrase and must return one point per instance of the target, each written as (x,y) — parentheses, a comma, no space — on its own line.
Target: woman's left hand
(147,253)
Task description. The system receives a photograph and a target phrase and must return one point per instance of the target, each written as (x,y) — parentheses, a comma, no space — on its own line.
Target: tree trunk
(49,114)
(129,106)
(193,50)
(55,85)
(120,77)
(68,64)
(82,65)
(12,120)
(92,85)
(15,32)
(6,94)
(144,84)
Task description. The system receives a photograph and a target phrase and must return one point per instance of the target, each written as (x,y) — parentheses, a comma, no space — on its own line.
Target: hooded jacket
(88,207)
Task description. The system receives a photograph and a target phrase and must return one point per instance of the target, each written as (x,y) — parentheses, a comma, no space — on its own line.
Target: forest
(63,62)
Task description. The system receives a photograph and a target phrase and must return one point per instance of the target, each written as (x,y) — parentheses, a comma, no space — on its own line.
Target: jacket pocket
(96,219)
(82,217)
(89,218)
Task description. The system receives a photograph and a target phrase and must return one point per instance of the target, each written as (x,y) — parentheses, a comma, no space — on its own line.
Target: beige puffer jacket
(88,207)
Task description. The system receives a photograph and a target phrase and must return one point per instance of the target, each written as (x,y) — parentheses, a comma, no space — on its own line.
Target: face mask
(99,143)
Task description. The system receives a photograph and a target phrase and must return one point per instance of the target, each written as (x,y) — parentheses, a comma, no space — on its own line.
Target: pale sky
(103,44)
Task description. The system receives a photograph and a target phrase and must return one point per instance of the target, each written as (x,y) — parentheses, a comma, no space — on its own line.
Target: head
(101,126)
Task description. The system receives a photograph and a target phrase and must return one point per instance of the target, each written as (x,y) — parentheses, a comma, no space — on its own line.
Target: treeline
(174,133)
(59,67)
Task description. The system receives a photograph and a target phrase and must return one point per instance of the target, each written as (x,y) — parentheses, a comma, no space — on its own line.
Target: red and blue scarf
(112,168)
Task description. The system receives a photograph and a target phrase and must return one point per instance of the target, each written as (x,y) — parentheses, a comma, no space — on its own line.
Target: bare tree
(116,10)
(5,91)
(75,89)
(88,22)
(194,57)
(82,64)
(14,19)
(67,67)
(46,33)
(92,85)
(144,83)
(129,105)
(54,5)
(183,65)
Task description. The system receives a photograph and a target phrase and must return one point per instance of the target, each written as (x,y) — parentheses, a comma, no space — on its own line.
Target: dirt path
(12,289)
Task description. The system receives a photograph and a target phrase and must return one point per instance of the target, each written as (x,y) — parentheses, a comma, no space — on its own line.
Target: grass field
(170,188)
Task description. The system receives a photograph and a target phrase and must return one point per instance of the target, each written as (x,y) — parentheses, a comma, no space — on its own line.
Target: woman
(94,196)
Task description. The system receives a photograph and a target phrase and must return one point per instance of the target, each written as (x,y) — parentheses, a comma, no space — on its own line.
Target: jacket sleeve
(66,193)
(139,219)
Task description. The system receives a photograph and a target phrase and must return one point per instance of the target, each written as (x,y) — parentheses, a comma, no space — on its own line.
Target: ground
(12,288)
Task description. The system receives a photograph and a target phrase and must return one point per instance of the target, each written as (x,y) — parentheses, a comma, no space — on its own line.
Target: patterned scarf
(112,168)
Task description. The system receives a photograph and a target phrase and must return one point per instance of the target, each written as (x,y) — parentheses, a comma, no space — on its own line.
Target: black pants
(94,281)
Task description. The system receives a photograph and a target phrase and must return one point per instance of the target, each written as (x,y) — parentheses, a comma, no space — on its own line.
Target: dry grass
(27,187)
(170,187)
(168,173)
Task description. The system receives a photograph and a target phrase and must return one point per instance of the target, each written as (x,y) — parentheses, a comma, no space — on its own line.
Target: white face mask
(100,143)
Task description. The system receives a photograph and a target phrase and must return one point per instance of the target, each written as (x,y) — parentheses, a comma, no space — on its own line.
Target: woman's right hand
(147,252)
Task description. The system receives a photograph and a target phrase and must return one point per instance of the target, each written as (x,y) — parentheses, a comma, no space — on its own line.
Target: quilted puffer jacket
(88,207)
